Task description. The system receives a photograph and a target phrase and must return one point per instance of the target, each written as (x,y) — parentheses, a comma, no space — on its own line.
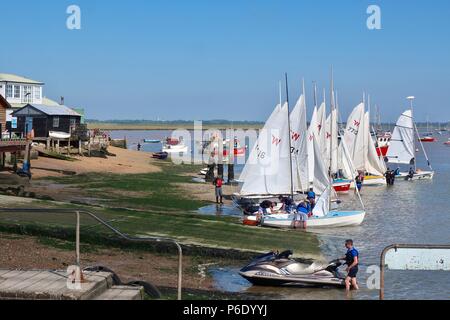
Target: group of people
(390,176)
(303,210)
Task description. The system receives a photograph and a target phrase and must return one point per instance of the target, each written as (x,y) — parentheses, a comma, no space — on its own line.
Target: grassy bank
(151,204)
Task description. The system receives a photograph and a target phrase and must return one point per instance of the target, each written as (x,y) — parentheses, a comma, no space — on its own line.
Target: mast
(289,137)
(280,89)
(411,99)
(315,94)
(332,106)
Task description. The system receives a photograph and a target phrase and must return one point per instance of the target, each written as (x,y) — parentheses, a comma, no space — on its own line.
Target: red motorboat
(383,144)
(238,150)
(172,141)
(428,139)
(447,143)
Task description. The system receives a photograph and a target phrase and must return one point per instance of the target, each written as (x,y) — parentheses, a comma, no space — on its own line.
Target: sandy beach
(125,162)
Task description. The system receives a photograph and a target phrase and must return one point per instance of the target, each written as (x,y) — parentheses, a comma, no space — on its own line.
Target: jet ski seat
(300,268)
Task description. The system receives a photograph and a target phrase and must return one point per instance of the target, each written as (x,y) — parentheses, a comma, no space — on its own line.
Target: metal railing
(401,246)
(111,228)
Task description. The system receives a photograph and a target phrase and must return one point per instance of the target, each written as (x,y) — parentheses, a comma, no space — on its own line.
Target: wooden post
(15,162)
(68,146)
(48,144)
(57,147)
(79,148)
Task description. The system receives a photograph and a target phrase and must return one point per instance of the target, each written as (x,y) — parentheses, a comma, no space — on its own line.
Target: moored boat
(428,139)
(152,141)
(175,148)
(332,219)
(323,216)
(342,185)
(160,155)
(59,135)
(403,147)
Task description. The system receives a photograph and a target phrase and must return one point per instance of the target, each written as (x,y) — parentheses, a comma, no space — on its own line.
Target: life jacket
(350,256)
(311,195)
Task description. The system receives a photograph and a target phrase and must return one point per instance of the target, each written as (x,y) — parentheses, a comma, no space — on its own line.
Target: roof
(58,110)
(45,101)
(15,78)
(4,102)
(49,102)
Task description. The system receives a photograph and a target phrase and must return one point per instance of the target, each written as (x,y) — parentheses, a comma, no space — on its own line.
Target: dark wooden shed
(43,119)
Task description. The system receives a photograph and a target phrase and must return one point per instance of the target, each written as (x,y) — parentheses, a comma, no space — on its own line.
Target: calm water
(409,212)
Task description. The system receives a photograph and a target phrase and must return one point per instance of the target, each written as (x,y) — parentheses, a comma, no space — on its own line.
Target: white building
(20,91)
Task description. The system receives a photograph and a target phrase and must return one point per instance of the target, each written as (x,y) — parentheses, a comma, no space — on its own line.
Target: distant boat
(447,143)
(59,135)
(428,139)
(401,150)
(152,141)
(160,155)
(173,145)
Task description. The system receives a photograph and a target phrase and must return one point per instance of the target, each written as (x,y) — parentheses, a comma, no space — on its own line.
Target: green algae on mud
(152,205)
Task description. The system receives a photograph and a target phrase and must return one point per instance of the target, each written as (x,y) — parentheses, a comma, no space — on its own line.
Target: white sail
(267,169)
(321,126)
(374,164)
(401,148)
(299,144)
(311,135)
(334,142)
(354,137)
(321,178)
(326,144)
(321,208)
(344,162)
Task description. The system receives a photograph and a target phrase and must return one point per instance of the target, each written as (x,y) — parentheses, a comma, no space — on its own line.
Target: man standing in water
(218,183)
(351,260)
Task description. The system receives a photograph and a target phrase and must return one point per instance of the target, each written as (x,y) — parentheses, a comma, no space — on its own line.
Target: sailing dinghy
(402,148)
(323,215)
(361,147)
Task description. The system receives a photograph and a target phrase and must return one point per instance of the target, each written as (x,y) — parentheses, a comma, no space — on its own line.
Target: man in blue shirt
(311,196)
(351,260)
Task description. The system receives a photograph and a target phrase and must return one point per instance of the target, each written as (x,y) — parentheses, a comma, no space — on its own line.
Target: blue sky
(199,59)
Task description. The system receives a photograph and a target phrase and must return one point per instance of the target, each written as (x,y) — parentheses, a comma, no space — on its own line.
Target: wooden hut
(3,106)
(44,119)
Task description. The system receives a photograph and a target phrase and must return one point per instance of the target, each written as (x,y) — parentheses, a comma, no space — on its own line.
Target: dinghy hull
(424,175)
(342,186)
(175,149)
(333,219)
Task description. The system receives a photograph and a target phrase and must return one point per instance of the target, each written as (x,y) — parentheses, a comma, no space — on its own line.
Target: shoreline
(152,198)
(169,127)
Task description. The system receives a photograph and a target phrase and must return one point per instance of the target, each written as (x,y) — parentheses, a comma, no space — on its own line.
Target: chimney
(62,101)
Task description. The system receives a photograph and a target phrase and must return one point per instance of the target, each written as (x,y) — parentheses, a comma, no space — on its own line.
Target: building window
(9,91)
(16,92)
(73,122)
(27,94)
(55,122)
(37,93)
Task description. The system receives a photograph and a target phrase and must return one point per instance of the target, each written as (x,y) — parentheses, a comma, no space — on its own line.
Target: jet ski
(273,269)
